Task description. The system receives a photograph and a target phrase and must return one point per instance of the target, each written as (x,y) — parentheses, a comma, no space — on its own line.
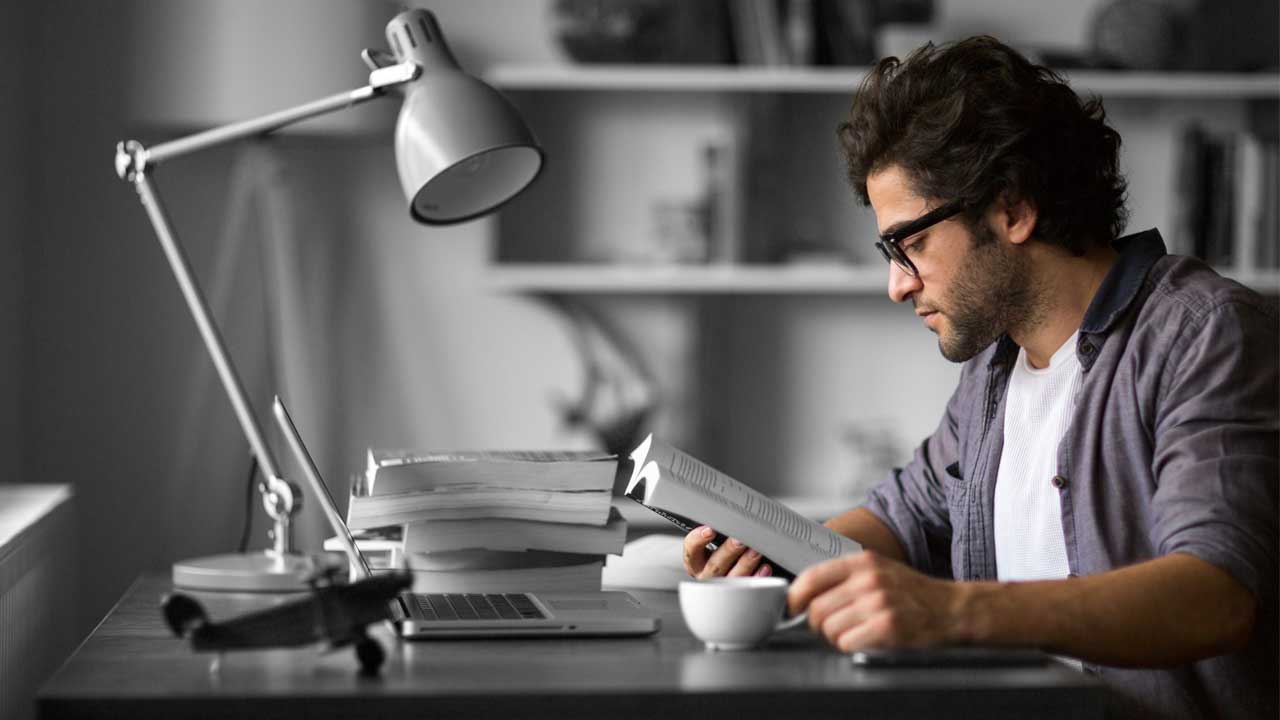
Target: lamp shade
(462,150)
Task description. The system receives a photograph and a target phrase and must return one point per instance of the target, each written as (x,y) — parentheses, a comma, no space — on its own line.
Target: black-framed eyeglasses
(890,243)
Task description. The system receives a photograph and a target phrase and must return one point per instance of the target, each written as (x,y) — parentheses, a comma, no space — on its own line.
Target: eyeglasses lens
(892,253)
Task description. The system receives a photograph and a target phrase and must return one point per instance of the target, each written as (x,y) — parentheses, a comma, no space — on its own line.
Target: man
(1103,483)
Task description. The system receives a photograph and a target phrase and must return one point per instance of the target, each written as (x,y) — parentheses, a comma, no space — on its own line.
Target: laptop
(420,616)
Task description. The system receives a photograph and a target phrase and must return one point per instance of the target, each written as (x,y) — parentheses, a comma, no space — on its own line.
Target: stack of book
(490,521)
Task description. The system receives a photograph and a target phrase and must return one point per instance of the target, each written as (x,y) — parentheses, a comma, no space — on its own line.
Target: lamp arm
(133,157)
(281,499)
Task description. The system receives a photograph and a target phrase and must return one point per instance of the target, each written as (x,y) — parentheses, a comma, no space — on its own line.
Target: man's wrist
(970,613)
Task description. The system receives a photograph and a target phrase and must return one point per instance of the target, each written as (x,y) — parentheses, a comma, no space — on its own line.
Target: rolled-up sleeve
(912,501)
(1217,442)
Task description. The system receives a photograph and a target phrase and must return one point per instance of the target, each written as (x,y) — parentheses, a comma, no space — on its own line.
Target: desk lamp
(461,151)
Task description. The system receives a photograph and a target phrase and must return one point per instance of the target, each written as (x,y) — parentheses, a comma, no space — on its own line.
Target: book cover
(391,472)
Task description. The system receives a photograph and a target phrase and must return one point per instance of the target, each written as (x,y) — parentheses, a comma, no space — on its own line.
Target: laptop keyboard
(490,606)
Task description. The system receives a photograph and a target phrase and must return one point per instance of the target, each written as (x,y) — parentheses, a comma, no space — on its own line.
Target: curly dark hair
(975,121)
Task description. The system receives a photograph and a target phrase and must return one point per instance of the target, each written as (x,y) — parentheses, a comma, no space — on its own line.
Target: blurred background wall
(379,332)
(16,38)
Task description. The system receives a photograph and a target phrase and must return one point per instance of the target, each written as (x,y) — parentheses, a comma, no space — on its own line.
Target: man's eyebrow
(894,228)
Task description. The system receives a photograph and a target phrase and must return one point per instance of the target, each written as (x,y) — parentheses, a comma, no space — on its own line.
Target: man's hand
(868,601)
(731,558)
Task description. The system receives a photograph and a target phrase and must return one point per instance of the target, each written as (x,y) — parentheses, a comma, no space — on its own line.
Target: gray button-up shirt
(1173,448)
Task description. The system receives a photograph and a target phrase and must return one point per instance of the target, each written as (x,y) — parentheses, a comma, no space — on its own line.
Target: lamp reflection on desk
(461,152)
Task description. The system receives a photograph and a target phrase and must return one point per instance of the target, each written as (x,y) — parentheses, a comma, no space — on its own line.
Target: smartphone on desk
(950,658)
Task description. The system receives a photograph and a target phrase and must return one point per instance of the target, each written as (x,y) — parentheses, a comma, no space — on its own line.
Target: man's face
(971,287)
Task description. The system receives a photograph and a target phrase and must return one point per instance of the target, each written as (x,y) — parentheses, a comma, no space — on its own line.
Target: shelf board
(714,78)
(607,279)
(600,278)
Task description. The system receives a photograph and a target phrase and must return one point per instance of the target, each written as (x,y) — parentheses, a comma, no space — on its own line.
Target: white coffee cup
(735,613)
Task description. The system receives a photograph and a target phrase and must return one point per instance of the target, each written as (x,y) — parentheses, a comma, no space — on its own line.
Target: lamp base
(247,572)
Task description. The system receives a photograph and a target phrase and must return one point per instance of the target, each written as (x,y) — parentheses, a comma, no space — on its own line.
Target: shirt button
(1059,481)
(1087,348)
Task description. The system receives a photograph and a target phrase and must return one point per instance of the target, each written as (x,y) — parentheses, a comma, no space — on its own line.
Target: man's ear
(1015,219)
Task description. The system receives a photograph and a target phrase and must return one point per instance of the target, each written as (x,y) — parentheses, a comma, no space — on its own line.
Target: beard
(993,293)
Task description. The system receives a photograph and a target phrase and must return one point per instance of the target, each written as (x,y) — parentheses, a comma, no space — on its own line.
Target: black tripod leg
(370,654)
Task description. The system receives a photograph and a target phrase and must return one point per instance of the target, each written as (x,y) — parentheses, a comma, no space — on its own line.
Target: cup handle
(792,622)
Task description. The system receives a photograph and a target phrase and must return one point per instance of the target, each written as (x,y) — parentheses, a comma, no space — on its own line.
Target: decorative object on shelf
(642,31)
(331,613)
(1138,35)
(681,231)
(724,192)
(461,150)
(705,225)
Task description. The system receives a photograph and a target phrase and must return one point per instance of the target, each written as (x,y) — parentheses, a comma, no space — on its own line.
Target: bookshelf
(585,89)
(675,78)
(832,280)
(600,278)
(772,366)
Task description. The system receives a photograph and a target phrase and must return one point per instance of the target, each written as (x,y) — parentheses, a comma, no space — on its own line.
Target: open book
(689,493)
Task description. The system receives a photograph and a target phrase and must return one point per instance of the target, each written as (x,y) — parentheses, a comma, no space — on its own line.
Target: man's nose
(902,285)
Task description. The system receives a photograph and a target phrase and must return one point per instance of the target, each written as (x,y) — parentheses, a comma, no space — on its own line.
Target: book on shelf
(516,535)
(688,493)
(1227,204)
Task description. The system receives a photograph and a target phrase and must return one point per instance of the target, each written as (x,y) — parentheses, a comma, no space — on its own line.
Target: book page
(672,482)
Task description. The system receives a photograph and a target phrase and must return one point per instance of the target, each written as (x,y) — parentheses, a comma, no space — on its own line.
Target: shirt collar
(1138,252)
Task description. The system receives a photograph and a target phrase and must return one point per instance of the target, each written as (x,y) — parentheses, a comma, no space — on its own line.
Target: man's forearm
(868,531)
(1163,612)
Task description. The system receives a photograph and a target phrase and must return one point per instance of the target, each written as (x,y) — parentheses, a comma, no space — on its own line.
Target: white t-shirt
(1028,510)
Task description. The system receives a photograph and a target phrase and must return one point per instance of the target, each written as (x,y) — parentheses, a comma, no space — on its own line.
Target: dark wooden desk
(132,667)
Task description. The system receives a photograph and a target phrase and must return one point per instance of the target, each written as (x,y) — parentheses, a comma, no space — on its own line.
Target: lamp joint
(280,498)
(392,75)
(131,159)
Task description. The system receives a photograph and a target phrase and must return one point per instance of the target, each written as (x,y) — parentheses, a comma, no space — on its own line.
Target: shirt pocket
(955,486)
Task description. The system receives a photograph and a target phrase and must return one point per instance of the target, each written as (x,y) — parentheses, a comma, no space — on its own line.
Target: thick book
(514,535)
(582,507)
(391,472)
(401,487)
(688,492)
